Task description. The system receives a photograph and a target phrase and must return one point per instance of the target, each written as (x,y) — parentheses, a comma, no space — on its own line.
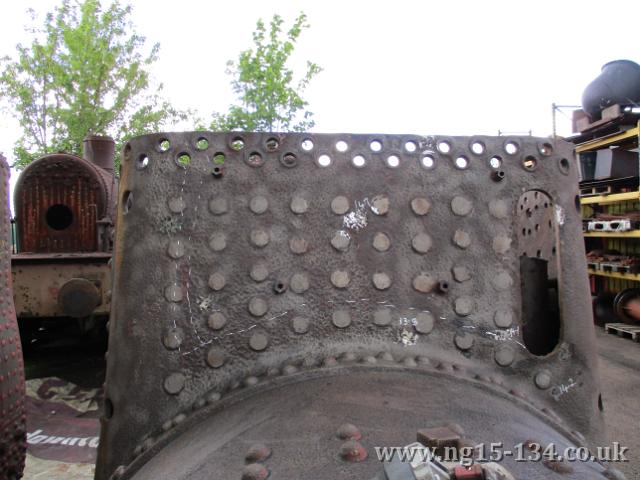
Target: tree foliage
(84,73)
(269,98)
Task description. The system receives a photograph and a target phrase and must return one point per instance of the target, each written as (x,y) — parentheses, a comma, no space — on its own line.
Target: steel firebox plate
(243,257)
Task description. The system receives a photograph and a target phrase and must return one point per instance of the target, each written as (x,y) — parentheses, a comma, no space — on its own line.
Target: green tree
(269,98)
(84,73)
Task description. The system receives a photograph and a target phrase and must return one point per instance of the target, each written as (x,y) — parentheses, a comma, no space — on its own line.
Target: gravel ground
(620,377)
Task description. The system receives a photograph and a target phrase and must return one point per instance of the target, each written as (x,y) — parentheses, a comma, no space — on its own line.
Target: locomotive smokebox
(619,83)
(99,150)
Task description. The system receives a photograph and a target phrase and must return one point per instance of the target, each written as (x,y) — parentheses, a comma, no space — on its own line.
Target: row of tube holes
(427,160)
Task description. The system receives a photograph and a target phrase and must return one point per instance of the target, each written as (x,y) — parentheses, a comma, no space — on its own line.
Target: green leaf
(88,75)
(268,97)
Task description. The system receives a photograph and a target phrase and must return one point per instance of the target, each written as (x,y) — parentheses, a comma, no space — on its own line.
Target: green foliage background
(86,74)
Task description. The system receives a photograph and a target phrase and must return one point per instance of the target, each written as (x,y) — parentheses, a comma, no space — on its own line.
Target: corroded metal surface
(38,280)
(298,282)
(12,387)
(60,200)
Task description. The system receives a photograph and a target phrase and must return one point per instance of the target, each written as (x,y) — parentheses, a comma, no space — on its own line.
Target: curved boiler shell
(12,389)
(619,83)
(59,199)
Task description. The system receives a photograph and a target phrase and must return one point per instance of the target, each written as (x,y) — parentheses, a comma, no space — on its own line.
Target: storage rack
(614,203)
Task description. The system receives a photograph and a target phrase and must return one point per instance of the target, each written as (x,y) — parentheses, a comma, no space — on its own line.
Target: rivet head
(254,471)
(543,379)
(257,452)
(424,283)
(250,381)
(259,272)
(216,321)
(299,282)
(215,357)
(299,205)
(381,280)
(348,431)
(501,244)
(174,383)
(420,206)
(424,322)
(504,355)
(353,451)
(218,206)
(502,281)
(498,209)
(217,281)
(212,397)
(463,340)
(421,243)
(258,306)
(340,205)
(382,317)
(259,341)
(173,293)
(259,204)
(462,239)
(341,318)
(503,318)
(409,362)
(340,278)
(259,237)
(289,369)
(461,274)
(177,204)
(218,241)
(381,242)
(463,306)
(173,338)
(380,204)
(340,240)
(461,206)
(176,249)
(298,245)
(300,325)
(386,356)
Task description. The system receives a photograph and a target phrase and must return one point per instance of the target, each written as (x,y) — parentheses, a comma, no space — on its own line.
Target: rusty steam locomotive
(64,206)
(289,305)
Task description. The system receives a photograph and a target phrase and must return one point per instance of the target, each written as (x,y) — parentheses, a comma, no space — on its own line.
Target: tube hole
(59,217)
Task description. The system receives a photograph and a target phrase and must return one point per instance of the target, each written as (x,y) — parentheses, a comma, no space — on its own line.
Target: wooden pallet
(624,330)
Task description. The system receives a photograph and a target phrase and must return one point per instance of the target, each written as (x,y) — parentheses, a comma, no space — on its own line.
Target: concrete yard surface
(620,379)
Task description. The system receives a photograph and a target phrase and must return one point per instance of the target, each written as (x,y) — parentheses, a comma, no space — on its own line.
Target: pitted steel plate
(13,438)
(289,257)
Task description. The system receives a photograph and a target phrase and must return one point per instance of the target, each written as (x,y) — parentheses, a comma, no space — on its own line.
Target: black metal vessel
(619,83)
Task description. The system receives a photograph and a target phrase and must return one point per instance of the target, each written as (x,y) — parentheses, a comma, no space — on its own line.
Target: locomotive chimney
(99,150)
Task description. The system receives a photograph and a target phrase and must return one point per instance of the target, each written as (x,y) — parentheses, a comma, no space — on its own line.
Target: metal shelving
(628,140)
(634,277)
(629,234)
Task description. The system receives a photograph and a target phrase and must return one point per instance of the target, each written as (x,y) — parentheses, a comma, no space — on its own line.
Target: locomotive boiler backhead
(290,305)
